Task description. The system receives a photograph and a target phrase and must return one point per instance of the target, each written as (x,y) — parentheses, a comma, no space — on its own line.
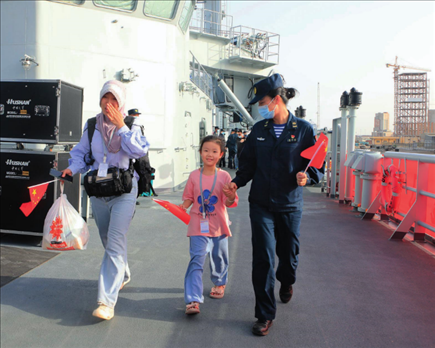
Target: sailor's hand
(301,178)
(230,189)
(115,116)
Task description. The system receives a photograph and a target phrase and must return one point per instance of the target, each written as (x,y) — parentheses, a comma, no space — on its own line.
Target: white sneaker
(104,312)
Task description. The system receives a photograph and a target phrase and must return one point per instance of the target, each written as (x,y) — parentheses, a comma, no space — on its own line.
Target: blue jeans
(272,231)
(113,216)
(200,247)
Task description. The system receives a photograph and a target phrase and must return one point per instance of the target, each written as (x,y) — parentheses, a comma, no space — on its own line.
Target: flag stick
(47,182)
(315,153)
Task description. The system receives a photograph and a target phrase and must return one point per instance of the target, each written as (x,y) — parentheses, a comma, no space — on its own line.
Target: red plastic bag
(64,228)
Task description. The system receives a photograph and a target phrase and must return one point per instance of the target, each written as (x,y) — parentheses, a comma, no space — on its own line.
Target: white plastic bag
(64,228)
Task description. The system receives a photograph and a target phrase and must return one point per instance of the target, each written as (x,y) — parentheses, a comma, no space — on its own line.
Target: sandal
(124,283)
(217,291)
(192,308)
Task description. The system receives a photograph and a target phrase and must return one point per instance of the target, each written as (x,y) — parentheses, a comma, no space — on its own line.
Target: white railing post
(342,182)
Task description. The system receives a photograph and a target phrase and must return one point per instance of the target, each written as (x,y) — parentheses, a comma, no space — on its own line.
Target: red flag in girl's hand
(174,209)
(317,152)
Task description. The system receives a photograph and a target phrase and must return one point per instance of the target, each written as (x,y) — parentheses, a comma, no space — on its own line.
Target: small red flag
(174,209)
(36,193)
(317,152)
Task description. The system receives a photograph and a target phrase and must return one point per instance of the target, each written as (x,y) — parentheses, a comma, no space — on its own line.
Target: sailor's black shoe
(285,293)
(261,327)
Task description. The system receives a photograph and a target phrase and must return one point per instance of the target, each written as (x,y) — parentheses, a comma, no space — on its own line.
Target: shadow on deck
(354,289)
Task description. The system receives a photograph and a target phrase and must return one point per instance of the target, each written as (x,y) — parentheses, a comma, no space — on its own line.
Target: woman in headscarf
(113,145)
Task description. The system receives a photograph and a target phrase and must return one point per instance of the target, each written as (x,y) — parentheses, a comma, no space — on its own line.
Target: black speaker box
(40,111)
(21,169)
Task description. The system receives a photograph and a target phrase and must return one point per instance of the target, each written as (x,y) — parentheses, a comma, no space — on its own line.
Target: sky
(342,45)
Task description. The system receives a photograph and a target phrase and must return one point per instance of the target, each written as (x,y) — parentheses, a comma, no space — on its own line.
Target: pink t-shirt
(216,210)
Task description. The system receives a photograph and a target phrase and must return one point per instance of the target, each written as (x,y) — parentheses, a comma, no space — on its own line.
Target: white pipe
(342,184)
(221,83)
(350,148)
(334,142)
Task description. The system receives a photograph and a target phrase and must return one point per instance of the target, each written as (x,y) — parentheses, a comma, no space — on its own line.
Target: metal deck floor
(354,289)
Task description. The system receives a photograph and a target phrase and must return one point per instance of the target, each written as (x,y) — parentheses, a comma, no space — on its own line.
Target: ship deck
(354,288)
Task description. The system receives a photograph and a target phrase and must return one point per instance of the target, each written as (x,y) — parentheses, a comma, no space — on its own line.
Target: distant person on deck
(232,148)
(222,160)
(134,113)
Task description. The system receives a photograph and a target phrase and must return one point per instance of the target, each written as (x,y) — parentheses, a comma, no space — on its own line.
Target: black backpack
(142,165)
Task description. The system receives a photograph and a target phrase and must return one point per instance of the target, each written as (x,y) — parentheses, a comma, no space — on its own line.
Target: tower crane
(399,130)
(397,67)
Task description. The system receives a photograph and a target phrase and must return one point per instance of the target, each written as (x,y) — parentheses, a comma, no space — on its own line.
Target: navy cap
(133,112)
(263,87)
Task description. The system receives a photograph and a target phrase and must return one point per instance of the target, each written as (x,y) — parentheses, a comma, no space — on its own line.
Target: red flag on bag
(36,193)
(174,209)
(317,152)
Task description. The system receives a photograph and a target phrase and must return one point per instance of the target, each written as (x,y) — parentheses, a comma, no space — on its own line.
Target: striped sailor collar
(291,123)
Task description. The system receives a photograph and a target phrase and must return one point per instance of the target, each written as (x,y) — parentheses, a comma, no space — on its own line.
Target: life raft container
(390,176)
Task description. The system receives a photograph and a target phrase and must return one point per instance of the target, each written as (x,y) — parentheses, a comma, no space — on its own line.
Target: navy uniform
(275,200)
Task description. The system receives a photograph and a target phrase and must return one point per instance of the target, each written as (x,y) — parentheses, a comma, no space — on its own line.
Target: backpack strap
(91,129)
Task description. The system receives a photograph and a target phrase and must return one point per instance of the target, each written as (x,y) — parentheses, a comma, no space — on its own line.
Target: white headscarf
(104,125)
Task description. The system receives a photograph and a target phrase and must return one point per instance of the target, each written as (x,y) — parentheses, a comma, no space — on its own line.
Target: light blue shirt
(133,145)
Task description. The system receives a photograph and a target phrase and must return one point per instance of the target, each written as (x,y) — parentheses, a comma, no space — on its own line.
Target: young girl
(208,227)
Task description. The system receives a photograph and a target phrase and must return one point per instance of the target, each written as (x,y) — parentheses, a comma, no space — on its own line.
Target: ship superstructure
(168,53)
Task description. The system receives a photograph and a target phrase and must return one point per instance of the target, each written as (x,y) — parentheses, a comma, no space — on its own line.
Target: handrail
(254,43)
(200,77)
(416,209)
(211,22)
(410,156)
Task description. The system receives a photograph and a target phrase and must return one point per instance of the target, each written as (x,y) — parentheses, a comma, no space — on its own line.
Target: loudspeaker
(21,169)
(40,111)
(236,117)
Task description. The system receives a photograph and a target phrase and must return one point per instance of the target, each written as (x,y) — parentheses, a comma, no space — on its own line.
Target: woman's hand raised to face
(115,116)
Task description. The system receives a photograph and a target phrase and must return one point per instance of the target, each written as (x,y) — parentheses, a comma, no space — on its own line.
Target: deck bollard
(358,166)
(350,184)
(371,177)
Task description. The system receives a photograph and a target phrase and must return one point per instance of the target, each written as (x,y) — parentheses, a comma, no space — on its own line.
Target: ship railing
(200,77)
(427,145)
(417,198)
(212,23)
(254,43)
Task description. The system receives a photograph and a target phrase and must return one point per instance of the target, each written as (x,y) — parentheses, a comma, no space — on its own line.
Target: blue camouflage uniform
(275,203)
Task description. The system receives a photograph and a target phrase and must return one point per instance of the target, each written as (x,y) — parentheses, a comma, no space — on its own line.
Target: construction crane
(397,67)
(413,125)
